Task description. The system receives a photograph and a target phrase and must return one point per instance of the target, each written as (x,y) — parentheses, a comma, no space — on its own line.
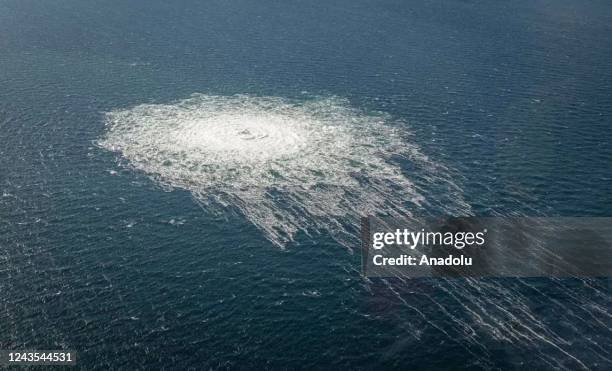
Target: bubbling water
(288,166)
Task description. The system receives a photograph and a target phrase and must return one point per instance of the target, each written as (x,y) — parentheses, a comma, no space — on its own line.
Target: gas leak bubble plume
(288,166)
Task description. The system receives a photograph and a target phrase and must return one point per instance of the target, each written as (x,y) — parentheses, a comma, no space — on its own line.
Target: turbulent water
(148,227)
(315,165)
(287,165)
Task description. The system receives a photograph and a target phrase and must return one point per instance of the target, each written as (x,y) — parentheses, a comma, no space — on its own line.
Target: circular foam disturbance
(287,165)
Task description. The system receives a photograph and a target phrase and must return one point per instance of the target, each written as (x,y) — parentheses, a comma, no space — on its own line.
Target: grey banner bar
(487,247)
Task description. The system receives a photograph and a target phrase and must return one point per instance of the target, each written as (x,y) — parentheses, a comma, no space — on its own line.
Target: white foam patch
(288,166)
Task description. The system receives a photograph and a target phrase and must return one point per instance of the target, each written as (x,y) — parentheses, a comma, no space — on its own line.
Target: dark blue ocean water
(514,98)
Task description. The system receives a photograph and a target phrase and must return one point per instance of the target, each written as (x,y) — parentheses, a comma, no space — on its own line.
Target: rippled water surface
(181,183)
